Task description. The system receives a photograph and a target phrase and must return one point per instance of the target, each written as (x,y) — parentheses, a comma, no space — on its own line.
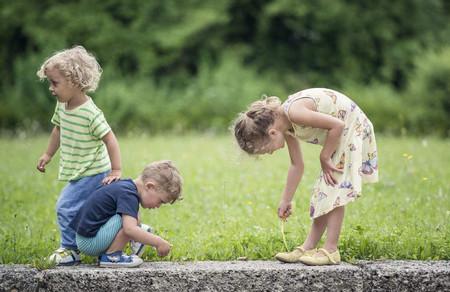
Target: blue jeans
(72,197)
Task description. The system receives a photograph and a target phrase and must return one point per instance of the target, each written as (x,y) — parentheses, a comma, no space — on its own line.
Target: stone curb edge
(233,276)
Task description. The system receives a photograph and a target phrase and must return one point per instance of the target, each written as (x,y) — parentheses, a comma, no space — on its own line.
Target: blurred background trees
(193,65)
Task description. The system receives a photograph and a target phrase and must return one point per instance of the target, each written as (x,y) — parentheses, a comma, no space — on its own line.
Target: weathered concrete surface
(233,276)
(406,275)
(18,278)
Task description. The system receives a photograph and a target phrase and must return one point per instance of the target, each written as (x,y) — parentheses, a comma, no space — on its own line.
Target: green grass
(230,201)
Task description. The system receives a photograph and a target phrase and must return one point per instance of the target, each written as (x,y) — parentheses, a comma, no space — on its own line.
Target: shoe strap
(64,252)
(328,255)
(300,248)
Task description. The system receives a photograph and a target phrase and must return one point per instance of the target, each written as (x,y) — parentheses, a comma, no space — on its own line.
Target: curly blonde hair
(77,65)
(251,127)
(166,176)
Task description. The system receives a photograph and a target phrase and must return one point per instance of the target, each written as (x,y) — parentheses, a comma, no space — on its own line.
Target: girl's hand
(327,168)
(112,176)
(163,248)
(43,160)
(284,209)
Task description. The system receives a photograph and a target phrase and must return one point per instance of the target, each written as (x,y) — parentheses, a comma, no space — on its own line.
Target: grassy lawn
(230,200)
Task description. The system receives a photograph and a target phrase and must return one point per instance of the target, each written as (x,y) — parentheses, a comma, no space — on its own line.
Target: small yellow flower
(405,154)
(410,157)
(424,178)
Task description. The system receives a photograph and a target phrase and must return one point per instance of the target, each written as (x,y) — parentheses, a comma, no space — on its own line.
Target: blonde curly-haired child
(89,151)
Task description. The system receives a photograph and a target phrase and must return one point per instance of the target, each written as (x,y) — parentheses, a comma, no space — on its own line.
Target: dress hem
(334,207)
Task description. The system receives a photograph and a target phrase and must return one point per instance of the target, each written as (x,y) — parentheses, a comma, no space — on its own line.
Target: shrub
(382,105)
(208,101)
(429,93)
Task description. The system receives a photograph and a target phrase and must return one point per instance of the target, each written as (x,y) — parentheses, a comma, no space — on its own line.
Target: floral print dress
(356,153)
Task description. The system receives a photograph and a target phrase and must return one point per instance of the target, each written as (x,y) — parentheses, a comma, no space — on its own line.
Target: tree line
(192,65)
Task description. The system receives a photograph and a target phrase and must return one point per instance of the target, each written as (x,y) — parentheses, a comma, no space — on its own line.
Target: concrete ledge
(233,276)
(406,275)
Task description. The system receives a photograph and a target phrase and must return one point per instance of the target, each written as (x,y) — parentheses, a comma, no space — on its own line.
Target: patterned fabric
(356,154)
(98,244)
(82,151)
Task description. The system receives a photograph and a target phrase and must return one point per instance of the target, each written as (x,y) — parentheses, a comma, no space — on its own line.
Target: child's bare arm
(114,155)
(136,233)
(301,114)
(52,147)
(294,177)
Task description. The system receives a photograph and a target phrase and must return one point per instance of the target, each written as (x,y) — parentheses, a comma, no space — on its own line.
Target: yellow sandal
(295,255)
(322,257)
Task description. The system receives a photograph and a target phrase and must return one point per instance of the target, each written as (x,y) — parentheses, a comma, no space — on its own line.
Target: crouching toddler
(109,218)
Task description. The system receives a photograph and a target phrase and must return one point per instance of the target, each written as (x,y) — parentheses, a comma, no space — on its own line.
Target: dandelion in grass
(408,156)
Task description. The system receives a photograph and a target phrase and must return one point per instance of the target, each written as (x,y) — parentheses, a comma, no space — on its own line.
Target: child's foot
(322,257)
(65,257)
(118,259)
(295,255)
(138,248)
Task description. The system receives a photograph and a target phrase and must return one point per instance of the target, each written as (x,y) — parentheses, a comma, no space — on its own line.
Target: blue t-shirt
(120,197)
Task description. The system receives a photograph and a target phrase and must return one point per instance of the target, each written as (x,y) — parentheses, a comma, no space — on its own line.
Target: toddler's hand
(328,168)
(284,210)
(112,176)
(163,248)
(43,160)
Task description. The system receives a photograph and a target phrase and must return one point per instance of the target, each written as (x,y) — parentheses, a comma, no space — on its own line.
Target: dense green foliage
(176,65)
(230,201)
(430,93)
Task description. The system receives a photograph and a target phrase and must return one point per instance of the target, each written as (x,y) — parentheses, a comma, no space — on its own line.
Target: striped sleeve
(55,118)
(98,126)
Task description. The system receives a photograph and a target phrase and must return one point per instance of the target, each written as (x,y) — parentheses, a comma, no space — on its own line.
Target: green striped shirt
(82,151)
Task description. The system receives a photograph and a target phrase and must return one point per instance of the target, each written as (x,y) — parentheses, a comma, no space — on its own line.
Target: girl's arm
(303,113)
(114,155)
(295,174)
(136,233)
(52,147)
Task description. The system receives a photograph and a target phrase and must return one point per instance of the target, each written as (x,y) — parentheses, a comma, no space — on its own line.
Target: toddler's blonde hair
(166,176)
(77,65)
(251,127)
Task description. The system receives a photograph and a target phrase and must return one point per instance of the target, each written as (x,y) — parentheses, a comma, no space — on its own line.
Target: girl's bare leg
(317,229)
(334,225)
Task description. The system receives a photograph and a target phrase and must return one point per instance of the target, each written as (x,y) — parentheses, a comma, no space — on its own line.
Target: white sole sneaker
(119,260)
(134,264)
(138,248)
(65,257)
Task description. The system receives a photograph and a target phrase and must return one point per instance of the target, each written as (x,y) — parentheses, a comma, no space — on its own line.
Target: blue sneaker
(118,260)
(138,248)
